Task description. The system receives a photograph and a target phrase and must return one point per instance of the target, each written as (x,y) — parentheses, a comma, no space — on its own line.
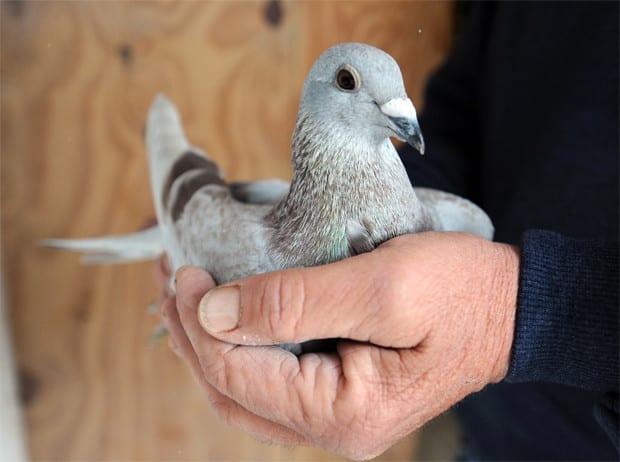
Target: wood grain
(77,78)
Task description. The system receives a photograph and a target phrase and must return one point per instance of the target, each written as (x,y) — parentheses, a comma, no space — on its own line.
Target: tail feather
(189,174)
(165,142)
(177,168)
(177,171)
(123,248)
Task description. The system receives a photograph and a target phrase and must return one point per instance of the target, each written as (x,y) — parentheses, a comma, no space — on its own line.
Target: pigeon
(349,190)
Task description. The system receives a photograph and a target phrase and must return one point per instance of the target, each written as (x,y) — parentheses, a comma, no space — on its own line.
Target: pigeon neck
(338,181)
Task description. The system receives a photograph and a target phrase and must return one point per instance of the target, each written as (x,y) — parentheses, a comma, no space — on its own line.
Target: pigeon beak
(408,130)
(403,121)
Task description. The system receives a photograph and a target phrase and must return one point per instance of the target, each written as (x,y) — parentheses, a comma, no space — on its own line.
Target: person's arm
(566,328)
(567,317)
(567,314)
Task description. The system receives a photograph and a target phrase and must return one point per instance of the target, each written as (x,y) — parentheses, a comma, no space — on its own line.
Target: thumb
(357,298)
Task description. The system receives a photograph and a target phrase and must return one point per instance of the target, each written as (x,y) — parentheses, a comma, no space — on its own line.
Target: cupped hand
(425,319)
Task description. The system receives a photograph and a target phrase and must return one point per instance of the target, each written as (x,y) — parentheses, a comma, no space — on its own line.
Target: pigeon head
(356,91)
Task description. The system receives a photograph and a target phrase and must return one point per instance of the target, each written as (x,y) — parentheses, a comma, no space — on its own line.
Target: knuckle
(214,372)
(357,430)
(282,304)
(389,290)
(350,443)
(379,416)
(222,409)
(226,410)
(358,448)
(368,439)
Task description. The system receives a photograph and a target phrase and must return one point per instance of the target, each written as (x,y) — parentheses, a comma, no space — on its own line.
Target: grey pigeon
(349,190)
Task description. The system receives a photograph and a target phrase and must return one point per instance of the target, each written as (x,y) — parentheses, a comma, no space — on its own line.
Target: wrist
(502,310)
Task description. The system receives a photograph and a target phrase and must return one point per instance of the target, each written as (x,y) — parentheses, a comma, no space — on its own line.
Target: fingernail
(219,309)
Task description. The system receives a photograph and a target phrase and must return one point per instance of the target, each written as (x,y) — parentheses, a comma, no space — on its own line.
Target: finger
(179,340)
(162,295)
(363,298)
(161,271)
(318,396)
(227,409)
(329,399)
(191,285)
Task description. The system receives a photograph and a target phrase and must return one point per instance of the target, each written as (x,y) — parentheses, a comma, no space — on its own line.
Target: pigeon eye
(347,79)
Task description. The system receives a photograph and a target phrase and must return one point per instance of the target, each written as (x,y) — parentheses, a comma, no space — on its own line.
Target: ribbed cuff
(567,313)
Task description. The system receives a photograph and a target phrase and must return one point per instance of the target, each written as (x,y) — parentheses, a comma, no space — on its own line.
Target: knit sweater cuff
(567,313)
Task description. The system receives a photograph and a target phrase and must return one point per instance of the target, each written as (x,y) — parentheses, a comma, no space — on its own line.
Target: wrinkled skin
(429,318)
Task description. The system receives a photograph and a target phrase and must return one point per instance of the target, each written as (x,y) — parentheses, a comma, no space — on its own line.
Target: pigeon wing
(269,191)
(453,213)
(201,221)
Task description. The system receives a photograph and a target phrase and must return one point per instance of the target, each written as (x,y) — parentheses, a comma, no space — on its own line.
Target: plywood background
(76,81)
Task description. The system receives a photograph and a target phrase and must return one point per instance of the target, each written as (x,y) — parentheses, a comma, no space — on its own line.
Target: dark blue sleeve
(567,322)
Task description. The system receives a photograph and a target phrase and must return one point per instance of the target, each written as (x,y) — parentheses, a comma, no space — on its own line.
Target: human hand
(429,319)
